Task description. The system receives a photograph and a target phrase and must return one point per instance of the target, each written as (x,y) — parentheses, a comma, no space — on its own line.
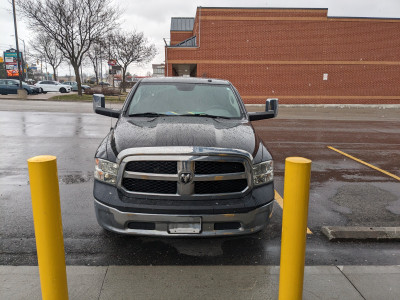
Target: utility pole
(41,67)
(47,74)
(26,73)
(101,65)
(16,42)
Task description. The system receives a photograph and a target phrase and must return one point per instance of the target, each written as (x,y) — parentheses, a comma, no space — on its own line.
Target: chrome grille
(201,174)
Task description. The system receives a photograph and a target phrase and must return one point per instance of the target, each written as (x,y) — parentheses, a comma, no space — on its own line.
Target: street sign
(112,62)
(11,62)
(12,73)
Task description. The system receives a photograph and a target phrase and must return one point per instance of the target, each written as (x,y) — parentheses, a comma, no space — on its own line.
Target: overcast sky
(153,17)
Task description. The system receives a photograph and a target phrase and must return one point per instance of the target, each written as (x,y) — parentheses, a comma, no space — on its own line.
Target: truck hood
(184,131)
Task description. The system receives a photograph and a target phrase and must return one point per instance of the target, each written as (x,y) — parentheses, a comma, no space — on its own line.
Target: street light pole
(16,42)
(26,73)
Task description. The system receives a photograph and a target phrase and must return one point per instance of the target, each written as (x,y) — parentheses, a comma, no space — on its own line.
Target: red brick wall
(179,36)
(284,53)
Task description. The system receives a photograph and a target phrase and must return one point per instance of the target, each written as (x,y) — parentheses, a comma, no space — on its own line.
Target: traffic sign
(112,62)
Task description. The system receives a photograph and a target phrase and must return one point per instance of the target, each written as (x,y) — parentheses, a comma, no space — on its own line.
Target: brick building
(297,55)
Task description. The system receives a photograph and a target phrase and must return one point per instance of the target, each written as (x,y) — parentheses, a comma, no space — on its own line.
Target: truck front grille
(149,186)
(185,175)
(160,167)
(218,187)
(216,167)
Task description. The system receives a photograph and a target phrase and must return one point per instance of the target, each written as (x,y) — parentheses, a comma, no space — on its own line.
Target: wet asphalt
(343,192)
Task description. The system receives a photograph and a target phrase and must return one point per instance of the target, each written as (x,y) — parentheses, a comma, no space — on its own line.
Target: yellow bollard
(294,227)
(48,226)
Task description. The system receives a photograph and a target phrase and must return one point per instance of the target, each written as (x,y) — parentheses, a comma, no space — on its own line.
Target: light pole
(16,42)
(26,73)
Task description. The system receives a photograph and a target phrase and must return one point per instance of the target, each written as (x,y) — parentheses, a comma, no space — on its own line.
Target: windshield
(185,99)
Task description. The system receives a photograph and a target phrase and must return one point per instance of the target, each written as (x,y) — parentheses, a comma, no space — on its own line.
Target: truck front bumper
(182,225)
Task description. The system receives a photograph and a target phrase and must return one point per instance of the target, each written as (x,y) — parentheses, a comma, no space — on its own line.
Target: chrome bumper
(118,221)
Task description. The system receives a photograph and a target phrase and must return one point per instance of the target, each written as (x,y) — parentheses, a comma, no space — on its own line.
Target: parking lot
(344,191)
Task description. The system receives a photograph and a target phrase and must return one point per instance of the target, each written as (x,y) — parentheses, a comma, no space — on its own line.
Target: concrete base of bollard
(22,93)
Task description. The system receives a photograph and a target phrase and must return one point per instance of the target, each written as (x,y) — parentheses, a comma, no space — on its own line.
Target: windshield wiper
(148,114)
(205,115)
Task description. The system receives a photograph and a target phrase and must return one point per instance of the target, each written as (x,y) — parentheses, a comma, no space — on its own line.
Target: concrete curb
(335,233)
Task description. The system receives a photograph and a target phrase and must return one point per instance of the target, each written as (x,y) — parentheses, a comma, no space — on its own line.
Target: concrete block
(22,94)
(334,233)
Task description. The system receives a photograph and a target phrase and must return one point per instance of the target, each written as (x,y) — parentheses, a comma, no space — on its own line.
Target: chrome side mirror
(271,105)
(98,101)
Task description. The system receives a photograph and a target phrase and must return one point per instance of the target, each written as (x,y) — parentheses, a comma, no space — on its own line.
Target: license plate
(187,227)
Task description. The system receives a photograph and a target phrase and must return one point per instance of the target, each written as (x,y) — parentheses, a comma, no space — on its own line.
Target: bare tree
(44,47)
(72,24)
(131,47)
(95,55)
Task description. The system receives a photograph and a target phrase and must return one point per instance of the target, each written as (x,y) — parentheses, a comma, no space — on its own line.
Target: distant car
(11,86)
(53,86)
(74,85)
(103,83)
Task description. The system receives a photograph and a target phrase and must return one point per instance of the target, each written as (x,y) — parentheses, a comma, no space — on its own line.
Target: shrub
(106,91)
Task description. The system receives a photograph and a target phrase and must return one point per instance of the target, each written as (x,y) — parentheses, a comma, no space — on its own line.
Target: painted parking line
(365,163)
(279,200)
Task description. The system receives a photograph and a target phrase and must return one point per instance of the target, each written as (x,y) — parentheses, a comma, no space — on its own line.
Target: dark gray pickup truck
(183,160)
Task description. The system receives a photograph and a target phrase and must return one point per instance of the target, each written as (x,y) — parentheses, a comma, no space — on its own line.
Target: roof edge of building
(182,18)
(367,18)
(233,7)
(298,8)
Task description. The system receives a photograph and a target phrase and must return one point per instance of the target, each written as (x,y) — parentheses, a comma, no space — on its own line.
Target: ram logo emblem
(185,177)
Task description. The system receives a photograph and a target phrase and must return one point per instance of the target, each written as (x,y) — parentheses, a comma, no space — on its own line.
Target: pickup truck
(183,160)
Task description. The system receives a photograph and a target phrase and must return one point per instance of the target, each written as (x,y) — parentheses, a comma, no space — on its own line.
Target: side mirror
(272,105)
(271,111)
(99,104)
(98,101)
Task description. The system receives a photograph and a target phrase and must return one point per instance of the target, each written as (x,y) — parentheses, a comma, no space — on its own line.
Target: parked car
(53,86)
(74,85)
(11,86)
(183,159)
(103,83)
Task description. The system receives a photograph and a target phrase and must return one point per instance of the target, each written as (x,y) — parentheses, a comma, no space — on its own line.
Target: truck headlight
(105,171)
(263,172)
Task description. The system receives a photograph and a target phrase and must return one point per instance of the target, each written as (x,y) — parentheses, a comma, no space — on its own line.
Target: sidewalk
(205,282)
